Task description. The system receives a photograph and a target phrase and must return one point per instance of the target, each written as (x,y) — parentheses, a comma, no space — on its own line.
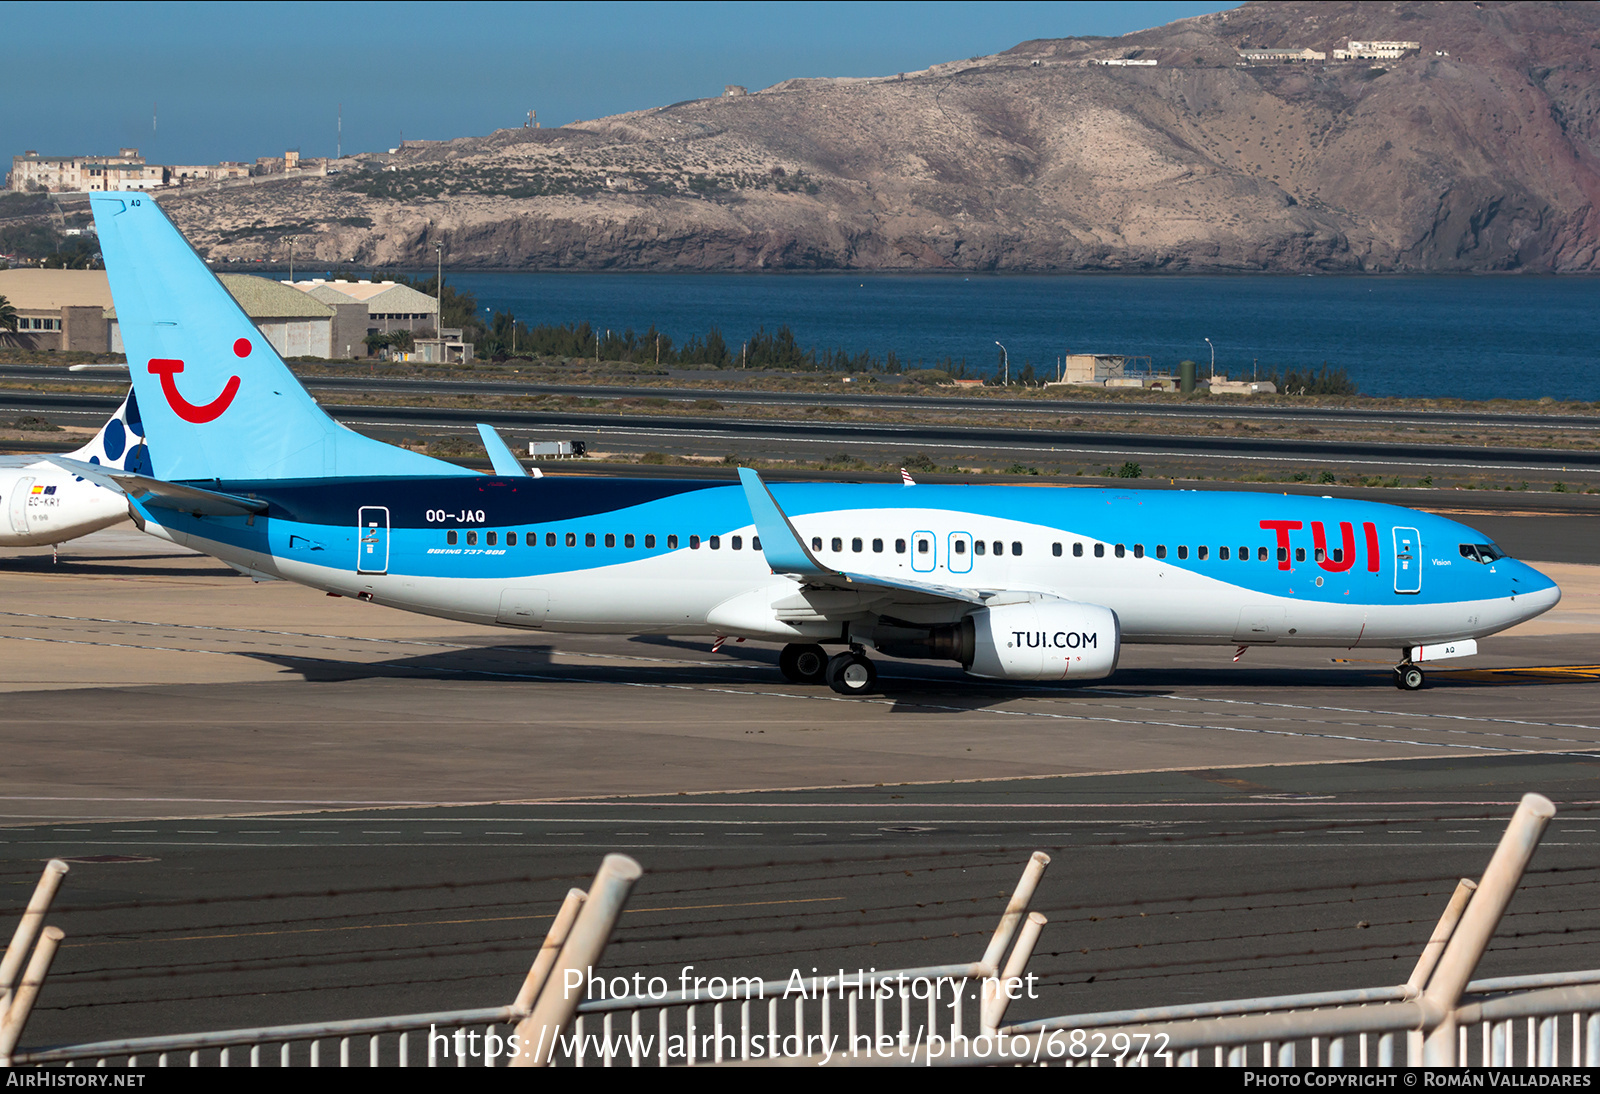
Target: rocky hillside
(1479,152)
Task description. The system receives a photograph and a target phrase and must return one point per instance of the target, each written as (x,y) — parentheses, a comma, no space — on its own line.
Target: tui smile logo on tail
(167,368)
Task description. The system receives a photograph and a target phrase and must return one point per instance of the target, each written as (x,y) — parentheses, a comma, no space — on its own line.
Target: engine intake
(1045,640)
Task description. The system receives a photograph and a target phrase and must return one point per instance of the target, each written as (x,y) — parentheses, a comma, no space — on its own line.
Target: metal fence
(566,1015)
(554,1021)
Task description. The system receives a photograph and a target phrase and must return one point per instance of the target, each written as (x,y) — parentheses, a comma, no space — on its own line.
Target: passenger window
(816,543)
(611,539)
(1055,549)
(1077,550)
(1120,551)
(492,539)
(649,543)
(979,547)
(716,543)
(1337,554)
(694,543)
(737,543)
(1183,551)
(960,546)
(588,539)
(472,539)
(1222,553)
(572,539)
(999,548)
(1283,554)
(1138,550)
(1016,547)
(672,543)
(511,539)
(755,543)
(877,546)
(899,546)
(856,545)
(627,540)
(837,544)
(450,538)
(1161,550)
(1099,550)
(1261,554)
(549,539)
(1318,555)
(1200,552)
(1299,554)
(1244,554)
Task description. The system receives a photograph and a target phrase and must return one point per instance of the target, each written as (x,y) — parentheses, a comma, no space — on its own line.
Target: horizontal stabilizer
(505,461)
(156,494)
(788,555)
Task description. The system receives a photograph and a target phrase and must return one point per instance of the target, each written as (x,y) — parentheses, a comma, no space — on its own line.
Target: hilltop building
(1376,51)
(83,174)
(127,170)
(1280,56)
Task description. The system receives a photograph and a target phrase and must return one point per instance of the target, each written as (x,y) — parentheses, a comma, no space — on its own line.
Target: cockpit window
(1481,552)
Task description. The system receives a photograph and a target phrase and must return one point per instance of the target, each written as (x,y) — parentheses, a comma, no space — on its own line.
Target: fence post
(554,939)
(1477,927)
(1016,908)
(556,1003)
(16,1016)
(1430,957)
(28,928)
(997,990)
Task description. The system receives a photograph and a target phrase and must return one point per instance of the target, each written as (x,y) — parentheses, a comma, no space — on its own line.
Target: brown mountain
(1480,151)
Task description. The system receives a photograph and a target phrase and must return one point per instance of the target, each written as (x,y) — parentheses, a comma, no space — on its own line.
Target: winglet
(505,461)
(786,553)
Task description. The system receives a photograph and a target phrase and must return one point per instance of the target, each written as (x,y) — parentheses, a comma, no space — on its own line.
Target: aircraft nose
(1535,593)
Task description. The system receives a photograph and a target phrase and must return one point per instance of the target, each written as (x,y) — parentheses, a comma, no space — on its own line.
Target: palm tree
(8,315)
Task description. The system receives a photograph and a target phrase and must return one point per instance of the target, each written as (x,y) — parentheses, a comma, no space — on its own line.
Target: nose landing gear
(1408,677)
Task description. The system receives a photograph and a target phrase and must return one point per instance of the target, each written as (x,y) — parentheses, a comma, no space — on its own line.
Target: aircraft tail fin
(120,443)
(216,399)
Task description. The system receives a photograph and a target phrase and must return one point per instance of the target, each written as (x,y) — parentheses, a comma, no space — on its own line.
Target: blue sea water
(1466,337)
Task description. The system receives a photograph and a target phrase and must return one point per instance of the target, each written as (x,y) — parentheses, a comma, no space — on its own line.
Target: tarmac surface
(280,806)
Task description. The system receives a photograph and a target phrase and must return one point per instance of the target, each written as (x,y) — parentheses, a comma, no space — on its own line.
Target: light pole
(1213,359)
(438,286)
(1005,362)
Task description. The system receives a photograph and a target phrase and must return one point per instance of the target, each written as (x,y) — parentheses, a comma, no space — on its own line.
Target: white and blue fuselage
(635,556)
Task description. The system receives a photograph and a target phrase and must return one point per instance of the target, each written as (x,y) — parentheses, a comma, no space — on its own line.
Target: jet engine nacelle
(1045,640)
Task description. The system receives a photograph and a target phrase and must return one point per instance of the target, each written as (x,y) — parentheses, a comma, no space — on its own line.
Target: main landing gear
(848,673)
(803,664)
(1408,677)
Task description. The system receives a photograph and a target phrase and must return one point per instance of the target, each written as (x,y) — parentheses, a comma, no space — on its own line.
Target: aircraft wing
(788,555)
(157,494)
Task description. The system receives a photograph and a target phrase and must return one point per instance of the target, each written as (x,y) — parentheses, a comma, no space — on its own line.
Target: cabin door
(1407,561)
(19,506)
(372,542)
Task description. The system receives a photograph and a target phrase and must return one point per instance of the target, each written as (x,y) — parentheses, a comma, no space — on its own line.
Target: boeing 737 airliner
(1012,583)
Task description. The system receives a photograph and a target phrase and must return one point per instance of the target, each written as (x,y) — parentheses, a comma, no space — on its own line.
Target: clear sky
(237,81)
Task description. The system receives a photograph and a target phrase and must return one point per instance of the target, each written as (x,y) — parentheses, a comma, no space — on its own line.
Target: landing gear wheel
(851,674)
(1408,678)
(803,664)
